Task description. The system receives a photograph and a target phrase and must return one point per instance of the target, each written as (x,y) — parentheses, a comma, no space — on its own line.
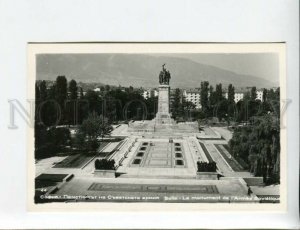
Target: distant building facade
(240,95)
(97,89)
(237,96)
(148,93)
(193,96)
(259,95)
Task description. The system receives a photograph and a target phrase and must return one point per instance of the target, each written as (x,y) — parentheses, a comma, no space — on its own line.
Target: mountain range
(139,70)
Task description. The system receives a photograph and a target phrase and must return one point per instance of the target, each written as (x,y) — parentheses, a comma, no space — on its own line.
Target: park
(157,156)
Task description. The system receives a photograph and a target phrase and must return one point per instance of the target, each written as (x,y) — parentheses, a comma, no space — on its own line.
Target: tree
(110,105)
(40,140)
(176,104)
(212,96)
(93,128)
(73,89)
(222,110)
(72,103)
(43,91)
(47,110)
(253,94)
(187,108)
(231,102)
(130,89)
(231,94)
(264,97)
(81,93)
(151,104)
(259,146)
(59,136)
(94,101)
(49,141)
(107,88)
(37,92)
(61,89)
(204,95)
(61,95)
(219,93)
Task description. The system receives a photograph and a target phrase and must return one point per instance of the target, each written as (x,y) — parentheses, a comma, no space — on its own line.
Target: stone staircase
(148,176)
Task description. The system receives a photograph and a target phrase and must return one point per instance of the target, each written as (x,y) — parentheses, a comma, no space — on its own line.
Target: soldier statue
(164,76)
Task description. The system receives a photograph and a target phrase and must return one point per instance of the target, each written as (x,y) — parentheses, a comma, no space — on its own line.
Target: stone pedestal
(105,173)
(207,175)
(163,111)
(163,99)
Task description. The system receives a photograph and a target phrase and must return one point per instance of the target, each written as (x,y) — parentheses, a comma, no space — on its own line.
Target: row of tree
(257,142)
(64,103)
(215,104)
(180,108)
(258,145)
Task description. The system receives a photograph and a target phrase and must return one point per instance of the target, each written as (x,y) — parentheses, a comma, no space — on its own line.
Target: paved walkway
(145,170)
(121,130)
(43,165)
(225,133)
(222,165)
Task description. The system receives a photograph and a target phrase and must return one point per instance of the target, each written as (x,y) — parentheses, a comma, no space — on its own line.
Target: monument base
(164,118)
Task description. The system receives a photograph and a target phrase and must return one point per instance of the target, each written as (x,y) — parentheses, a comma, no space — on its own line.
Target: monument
(163,116)
(163,123)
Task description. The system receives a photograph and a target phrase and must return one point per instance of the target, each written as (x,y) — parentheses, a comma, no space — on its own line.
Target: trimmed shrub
(105,164)
(206,167)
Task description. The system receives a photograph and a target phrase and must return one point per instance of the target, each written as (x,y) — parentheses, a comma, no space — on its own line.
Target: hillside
(138,70)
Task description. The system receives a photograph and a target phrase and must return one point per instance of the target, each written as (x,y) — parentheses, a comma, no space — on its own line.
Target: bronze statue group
(164,76)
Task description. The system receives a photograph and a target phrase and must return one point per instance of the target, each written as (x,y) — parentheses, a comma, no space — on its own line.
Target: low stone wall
(105,173)
(207,176)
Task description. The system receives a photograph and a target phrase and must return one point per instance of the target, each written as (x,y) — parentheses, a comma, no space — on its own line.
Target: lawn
(51,177)
(45,182)
(78,160)
(231,161)
(209,158)
(102,146)
(48,180)
(244,165)
(74,161)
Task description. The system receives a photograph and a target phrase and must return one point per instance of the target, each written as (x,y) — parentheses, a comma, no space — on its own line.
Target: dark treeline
(64,104)
(255,123)
(258,145)
(180,108)
(215,104)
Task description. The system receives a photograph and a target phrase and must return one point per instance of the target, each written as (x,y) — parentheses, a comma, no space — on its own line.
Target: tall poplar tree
(73,89)
(204,95)
(231,94)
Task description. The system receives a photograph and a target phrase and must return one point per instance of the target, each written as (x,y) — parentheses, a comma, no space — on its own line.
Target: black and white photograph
(140,114)
(159,127)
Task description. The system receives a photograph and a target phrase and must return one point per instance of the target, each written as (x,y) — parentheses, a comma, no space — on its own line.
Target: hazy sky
(263,65)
